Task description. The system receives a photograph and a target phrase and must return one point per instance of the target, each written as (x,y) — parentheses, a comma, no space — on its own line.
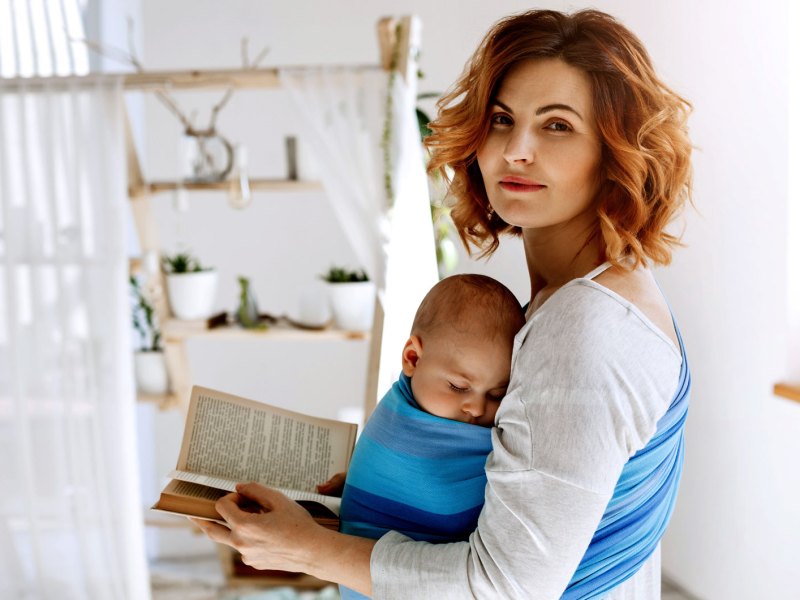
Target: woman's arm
(282,535)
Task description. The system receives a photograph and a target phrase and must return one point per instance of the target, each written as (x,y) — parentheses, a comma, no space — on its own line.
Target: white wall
(735,531)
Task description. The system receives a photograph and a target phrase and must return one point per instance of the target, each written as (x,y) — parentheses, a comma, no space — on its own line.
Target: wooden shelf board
(266,185)
(787,390)
(175,330)
(164,401)
(195,79)
(134,265)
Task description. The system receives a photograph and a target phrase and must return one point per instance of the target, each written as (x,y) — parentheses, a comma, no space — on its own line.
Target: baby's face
(462,377)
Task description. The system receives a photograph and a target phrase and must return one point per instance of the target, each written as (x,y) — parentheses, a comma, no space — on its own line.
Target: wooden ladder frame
(399,41)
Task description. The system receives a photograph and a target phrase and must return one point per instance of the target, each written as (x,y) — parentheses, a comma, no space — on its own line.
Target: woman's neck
(556,256)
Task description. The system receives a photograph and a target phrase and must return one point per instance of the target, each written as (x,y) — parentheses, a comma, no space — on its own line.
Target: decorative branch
(164,97)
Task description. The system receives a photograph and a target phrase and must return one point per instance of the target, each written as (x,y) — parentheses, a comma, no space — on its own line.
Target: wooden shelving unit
(396,52)
(788,391)
(176,330)
(163,401)
(261,185)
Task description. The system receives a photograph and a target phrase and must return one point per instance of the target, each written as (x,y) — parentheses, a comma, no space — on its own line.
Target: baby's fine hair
(469,302)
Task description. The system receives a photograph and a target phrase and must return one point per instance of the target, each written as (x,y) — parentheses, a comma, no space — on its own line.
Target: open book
(228,439)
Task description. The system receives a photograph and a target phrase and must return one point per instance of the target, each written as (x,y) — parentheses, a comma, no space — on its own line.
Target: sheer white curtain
(343,124)
(793,206)
(70,517)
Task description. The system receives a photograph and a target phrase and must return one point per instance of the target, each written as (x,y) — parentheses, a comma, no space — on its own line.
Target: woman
(558,131)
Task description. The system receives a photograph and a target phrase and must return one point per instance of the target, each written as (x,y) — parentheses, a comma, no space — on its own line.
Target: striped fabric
(642,504)
(415,473)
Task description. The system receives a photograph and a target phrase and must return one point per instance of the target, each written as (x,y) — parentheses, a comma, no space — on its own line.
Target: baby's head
(459,352)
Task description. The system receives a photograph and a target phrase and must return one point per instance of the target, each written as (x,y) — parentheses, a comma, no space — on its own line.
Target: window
(35,38)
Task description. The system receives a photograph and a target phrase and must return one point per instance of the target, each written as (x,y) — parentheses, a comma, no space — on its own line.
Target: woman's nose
(520,148)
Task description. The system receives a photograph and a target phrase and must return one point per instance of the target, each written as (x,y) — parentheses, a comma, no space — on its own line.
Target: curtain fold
(381,201)
(70,516)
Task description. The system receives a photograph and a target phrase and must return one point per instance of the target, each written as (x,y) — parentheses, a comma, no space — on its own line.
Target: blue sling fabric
(415,473)
(642,504)
(424,476)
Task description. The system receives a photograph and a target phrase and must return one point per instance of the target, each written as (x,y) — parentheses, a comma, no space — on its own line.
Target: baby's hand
(334,485)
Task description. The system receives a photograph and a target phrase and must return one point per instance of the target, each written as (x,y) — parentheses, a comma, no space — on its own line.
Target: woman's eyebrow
(550,107)
(503,106)
(542,110)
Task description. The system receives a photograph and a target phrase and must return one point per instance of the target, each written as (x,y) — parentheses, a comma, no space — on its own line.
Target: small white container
(313,306)
(150,369)
(192,295)
(352,304)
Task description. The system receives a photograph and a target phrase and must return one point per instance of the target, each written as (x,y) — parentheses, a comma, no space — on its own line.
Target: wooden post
(135,177)
(409,39)
(179,373)
(400,41)
(373,362)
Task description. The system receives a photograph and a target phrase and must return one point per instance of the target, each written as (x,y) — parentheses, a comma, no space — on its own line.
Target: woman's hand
(267,528)
(273,532)
(334,486)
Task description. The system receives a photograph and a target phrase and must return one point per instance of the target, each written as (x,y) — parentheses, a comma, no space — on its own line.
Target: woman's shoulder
(593,309)
(589,333)
(640,290)
(591,359)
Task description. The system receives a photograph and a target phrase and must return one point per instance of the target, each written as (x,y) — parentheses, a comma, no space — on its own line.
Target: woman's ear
(411,353)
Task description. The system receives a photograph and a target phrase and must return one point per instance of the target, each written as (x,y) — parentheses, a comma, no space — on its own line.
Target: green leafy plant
(344,275)
(182,262)
(144,319)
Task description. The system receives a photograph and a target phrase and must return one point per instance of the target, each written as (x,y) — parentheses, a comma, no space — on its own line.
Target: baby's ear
(411,353)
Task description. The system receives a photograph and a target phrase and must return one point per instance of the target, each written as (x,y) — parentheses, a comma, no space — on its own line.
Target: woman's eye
(559,126)
(501,119)
(455,388)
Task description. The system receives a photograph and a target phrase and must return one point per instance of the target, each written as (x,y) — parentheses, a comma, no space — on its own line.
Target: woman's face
(541,160)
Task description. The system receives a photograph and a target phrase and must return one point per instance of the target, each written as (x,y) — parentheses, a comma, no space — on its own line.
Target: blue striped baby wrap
(642,504)
(424,476)
(415,473)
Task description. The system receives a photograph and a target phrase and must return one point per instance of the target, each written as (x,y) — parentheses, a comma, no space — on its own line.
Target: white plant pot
(150,369)
(352,304)
(192,295)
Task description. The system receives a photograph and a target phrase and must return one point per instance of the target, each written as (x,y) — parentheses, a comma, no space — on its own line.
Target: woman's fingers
(334,486)
(258,493)
(234,507)
(215,531)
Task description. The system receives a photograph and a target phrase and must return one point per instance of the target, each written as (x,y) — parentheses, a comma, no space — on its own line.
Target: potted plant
(191,287)
(149,365)
(352,298)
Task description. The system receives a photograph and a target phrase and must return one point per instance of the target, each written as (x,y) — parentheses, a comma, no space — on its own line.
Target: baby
(418,467)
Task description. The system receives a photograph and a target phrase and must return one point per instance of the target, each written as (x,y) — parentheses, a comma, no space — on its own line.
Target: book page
(242,440)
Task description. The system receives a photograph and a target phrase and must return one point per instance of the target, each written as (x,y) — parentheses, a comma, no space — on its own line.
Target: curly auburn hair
(645,166)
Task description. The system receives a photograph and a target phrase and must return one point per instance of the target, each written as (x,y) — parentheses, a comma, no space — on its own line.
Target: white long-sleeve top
(590,377)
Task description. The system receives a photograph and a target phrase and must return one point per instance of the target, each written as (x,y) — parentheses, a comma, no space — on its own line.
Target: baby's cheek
(491,411)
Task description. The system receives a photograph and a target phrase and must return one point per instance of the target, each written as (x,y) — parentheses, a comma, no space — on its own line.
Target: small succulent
(182,262)
(344,275)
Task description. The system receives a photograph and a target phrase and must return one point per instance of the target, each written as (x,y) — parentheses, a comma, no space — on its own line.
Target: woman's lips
(518,184)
